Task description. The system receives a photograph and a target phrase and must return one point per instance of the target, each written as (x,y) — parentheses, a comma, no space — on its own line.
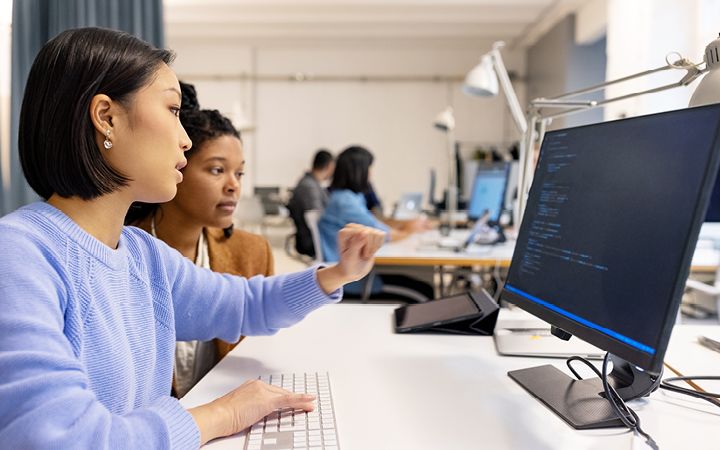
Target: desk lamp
(445,121)
(484,81)
(708,91)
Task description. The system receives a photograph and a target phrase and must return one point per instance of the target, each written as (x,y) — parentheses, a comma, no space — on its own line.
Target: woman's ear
(102,109)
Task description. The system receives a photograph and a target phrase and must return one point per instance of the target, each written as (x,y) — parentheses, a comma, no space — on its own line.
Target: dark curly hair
(189,97)
(201,125)
(204,125)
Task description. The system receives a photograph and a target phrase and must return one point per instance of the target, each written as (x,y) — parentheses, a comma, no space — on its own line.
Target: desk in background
(447,392)
(416,250)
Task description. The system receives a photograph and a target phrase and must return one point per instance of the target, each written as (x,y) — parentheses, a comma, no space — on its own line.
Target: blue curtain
(35,22)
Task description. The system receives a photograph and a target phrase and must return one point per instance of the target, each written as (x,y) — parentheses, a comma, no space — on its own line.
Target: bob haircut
(351,169)
(56,139)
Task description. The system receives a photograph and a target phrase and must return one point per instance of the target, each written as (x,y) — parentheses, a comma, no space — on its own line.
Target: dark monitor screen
(713,210)
(488,191)
(270,198)
(610,227)
(431,190)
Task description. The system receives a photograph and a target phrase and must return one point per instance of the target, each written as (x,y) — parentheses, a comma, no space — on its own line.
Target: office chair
(402,291)
(312,217)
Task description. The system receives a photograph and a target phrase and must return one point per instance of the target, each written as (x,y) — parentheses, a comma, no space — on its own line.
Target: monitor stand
(581,403)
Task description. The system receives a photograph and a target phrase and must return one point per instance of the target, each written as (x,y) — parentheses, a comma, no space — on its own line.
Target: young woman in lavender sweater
(91,309)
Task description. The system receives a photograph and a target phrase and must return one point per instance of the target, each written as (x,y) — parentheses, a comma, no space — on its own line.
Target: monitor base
(580,403)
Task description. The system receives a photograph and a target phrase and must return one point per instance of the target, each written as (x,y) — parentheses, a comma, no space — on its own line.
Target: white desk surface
(418,249)
(448,392)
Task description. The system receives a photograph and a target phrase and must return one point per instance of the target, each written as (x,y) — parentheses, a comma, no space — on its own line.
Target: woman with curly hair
(198,222)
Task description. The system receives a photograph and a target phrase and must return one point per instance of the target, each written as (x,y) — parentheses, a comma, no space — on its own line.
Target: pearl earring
(107,142)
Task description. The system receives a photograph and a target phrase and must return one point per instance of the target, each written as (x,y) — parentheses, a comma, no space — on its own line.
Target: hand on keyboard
(296,429)
(244,406)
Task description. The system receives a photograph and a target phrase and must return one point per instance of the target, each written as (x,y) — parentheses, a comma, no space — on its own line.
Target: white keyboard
(287,429)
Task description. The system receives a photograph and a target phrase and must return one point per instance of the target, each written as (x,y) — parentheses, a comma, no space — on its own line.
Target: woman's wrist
(331,279)
(210,419)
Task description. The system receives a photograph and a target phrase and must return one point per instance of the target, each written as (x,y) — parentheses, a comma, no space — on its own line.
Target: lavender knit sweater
(87,333)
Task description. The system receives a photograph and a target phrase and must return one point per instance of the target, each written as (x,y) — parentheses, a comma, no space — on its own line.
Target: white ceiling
(518,22)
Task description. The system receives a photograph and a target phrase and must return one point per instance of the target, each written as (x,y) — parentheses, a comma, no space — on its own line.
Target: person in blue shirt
(91,309)
(347,205)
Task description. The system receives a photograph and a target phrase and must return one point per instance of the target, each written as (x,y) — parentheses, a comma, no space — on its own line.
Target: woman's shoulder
(24,239)
(239,238)
(343,197)
(36,227)
(242,253)
(346,200)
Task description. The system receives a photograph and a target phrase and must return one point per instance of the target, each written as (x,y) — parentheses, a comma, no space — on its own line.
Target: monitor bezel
(494,166)
(651,363)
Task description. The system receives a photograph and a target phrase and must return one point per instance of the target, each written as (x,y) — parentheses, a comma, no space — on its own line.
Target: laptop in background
(409,207)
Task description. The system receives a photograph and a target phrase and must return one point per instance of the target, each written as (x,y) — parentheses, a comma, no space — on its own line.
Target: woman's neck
(101,217)
(177,230)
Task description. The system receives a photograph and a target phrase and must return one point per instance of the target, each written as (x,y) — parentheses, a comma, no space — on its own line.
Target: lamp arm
(512,100)
(550,103)
(536,117)
(596,103)
(692,73)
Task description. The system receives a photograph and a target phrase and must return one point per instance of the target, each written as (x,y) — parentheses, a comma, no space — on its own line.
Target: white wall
(640,35)
(5,60)
(559,63)
(392,118)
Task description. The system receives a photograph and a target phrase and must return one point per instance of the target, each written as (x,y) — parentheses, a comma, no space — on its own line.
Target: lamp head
(708,91)
(445,121)
(481,81)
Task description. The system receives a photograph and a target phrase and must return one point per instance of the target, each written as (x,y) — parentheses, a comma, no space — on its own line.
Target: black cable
(711,397)
(626,415)
(621,407)
(582,360)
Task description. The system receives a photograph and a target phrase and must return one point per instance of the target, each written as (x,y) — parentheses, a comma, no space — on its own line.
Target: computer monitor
(488,191)
(270,198)
(606,243)
(713,211)
(431,188)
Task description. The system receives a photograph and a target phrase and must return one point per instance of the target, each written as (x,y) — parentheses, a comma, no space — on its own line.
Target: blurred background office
(298,75)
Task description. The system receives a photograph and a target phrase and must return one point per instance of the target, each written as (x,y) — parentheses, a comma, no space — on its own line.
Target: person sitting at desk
(372,202)
(309,195)
(91,309)
(347,205)
(198,222)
